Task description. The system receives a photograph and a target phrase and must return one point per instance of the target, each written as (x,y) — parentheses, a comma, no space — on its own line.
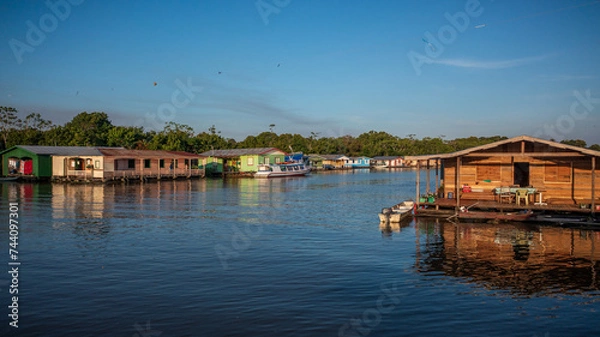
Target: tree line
(96,129)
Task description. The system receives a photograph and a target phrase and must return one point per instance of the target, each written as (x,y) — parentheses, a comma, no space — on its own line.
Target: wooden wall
(571,179)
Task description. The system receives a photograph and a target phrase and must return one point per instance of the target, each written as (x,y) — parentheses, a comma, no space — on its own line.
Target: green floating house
(241,161)
(36,161)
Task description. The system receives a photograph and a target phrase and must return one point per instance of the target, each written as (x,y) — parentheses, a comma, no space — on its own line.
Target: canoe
(512,216)
(7,179)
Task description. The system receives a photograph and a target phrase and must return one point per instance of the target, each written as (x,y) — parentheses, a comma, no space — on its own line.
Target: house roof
(233,153)
(386,157)
(333,156)
(61,150)
(145,153)
(490,146)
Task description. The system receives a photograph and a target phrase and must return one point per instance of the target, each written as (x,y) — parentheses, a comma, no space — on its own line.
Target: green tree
(9,121)
(88,129)
(125,136)
(574,142)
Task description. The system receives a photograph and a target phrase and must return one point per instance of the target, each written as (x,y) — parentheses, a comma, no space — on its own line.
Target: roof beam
(525,154)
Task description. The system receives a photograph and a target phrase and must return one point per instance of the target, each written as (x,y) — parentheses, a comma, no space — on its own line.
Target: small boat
(397,212)
(511,216)
(288,169)
(7,179)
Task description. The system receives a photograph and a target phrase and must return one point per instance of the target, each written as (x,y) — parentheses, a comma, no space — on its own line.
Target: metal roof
(232,153)
(63,150)
(145,153)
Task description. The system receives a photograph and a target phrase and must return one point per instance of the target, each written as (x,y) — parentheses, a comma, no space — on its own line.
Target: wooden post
(457,184)
(141,169)
(437,176)
(418,180)
(428,178)
(593,185)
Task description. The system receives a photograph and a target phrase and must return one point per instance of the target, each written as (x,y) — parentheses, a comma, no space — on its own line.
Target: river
(282,257)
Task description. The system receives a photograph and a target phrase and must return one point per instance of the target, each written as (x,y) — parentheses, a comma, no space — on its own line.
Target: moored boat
(397,212)
(282,170)
(7,179)
(510,216)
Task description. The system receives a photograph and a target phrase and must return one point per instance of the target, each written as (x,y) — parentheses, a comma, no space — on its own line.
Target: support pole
(593,185)
(428,178)
(437,177)
(457,185)
(418,180)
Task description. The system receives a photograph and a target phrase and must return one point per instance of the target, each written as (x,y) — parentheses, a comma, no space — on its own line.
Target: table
(513,190)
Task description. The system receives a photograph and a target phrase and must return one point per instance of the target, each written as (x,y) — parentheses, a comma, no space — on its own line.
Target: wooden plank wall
(499,170)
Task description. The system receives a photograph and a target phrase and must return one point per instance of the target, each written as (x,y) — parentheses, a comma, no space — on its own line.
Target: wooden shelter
(556,173)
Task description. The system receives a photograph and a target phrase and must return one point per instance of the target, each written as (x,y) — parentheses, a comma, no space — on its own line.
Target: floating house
(387,161)
(99,163)
(334,161)
(531,173)
(37,161)
(358,162)
(241,161)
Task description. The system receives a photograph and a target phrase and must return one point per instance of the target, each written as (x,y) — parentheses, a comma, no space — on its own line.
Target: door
(521,175)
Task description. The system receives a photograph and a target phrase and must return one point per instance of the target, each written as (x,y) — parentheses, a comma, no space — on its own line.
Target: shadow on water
(524,259)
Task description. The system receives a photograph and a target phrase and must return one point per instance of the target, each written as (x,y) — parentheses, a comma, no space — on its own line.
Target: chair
(522,193)
(505,194)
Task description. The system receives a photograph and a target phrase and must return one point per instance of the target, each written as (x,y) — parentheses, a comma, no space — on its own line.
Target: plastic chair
(522,194)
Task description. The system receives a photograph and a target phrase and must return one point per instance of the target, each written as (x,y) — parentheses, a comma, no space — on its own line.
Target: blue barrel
(449,195)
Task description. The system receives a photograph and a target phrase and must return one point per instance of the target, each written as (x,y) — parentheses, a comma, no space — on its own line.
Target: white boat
(397,212)
(282,170)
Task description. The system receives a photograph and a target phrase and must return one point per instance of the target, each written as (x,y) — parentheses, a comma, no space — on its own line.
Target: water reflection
(520,258)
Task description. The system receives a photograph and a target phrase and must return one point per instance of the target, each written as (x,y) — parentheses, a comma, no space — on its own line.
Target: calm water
(284,257)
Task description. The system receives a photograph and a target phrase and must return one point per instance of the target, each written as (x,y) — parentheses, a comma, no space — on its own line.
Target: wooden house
(242,160)
(98,163)
(334,161)
(558,173)
(38,161)
(147,164)
(358,162)
(387,161)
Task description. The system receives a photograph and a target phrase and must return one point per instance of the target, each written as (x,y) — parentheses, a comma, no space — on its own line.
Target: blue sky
(430,68)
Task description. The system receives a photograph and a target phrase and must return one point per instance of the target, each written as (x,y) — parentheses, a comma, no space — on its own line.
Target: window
(277,160)
(131,163)
(250,161)
(146,163)
(559,172)
(194,163)
(161,163)
(97,164)
(267,160)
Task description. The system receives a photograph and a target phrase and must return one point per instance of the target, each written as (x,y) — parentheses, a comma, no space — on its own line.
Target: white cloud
(501,64)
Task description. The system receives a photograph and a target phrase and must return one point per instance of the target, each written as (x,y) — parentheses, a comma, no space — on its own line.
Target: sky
(333,68)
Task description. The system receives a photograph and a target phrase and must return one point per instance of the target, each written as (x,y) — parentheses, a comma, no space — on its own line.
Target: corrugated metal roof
(145,153)
(232,153)
(63,150)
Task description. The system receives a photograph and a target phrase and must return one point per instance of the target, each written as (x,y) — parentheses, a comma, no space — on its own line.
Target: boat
(397,212)
(288,169)
(498,216)
(7,179)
